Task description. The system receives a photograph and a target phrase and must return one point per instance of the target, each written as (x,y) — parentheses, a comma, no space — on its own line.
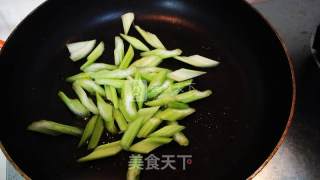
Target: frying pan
(234,132)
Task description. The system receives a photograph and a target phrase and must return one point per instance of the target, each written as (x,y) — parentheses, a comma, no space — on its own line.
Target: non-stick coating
(232,132)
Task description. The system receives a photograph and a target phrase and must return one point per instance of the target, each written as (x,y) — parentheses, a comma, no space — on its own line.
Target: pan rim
(293,96)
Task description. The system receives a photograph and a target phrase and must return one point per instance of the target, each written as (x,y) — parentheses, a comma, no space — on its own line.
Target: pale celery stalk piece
(90,86)
(148,112)
(127,58)
(179,137)
(121,121)
(184,74)
(118,50)
(85,100)
(88,130)
(78,76)
(161,101)
(131,133)
(147,61)
(197,61)
(148,76)
(74,105)
(154,92)
(94,55)
(128,100)
(107,145)
(106,112)
(139,90)
(114,97)
(105,109)
(149,126)
(107,92)
(151,38)
(151,69)
(53,128)
(170,114)
(175,88)
(163,53)
(79,50)
(178,105)
(124,112)
(167,131)
(127,20)
(117,83)
(96,134)
(99,66)
(135,126)
(158,80)
(136,43)
(102,151)
(111,127)
(149,144)
(185,97)
(114,74)
(193,95)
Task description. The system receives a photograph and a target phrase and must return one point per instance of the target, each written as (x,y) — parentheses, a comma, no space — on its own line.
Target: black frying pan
(232,133)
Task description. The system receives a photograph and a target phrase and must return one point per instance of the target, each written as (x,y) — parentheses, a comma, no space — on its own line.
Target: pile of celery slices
(136,98)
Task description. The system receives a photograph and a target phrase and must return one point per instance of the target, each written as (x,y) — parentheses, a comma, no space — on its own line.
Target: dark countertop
(299,156)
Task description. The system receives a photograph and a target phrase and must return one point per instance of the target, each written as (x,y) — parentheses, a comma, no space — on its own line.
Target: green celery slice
(79,50)
(118,50)
(136,43)
(193,95)
(98,67)
(151,38)
(88,130)
(127,20)
(170,114)
(167,131)
(127,58)
(184,74)
(94,55)
(117,83)
(90,86)
(108,150)
(164,54)
(149,144)
(147,61)
(85,100)
(96,134)
(197,61)
(53,128)
(128,100)
(74,105)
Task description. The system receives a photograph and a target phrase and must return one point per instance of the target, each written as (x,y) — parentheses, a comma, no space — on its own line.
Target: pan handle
(1,43)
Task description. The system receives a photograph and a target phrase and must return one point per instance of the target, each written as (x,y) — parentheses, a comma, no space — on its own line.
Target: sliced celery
(79,50)
(74,105)
(197,61)
(136,43)
(151,38)
(127,20)
(94,55)
(118,50)
(53,128)
(162,53)
(184,74)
